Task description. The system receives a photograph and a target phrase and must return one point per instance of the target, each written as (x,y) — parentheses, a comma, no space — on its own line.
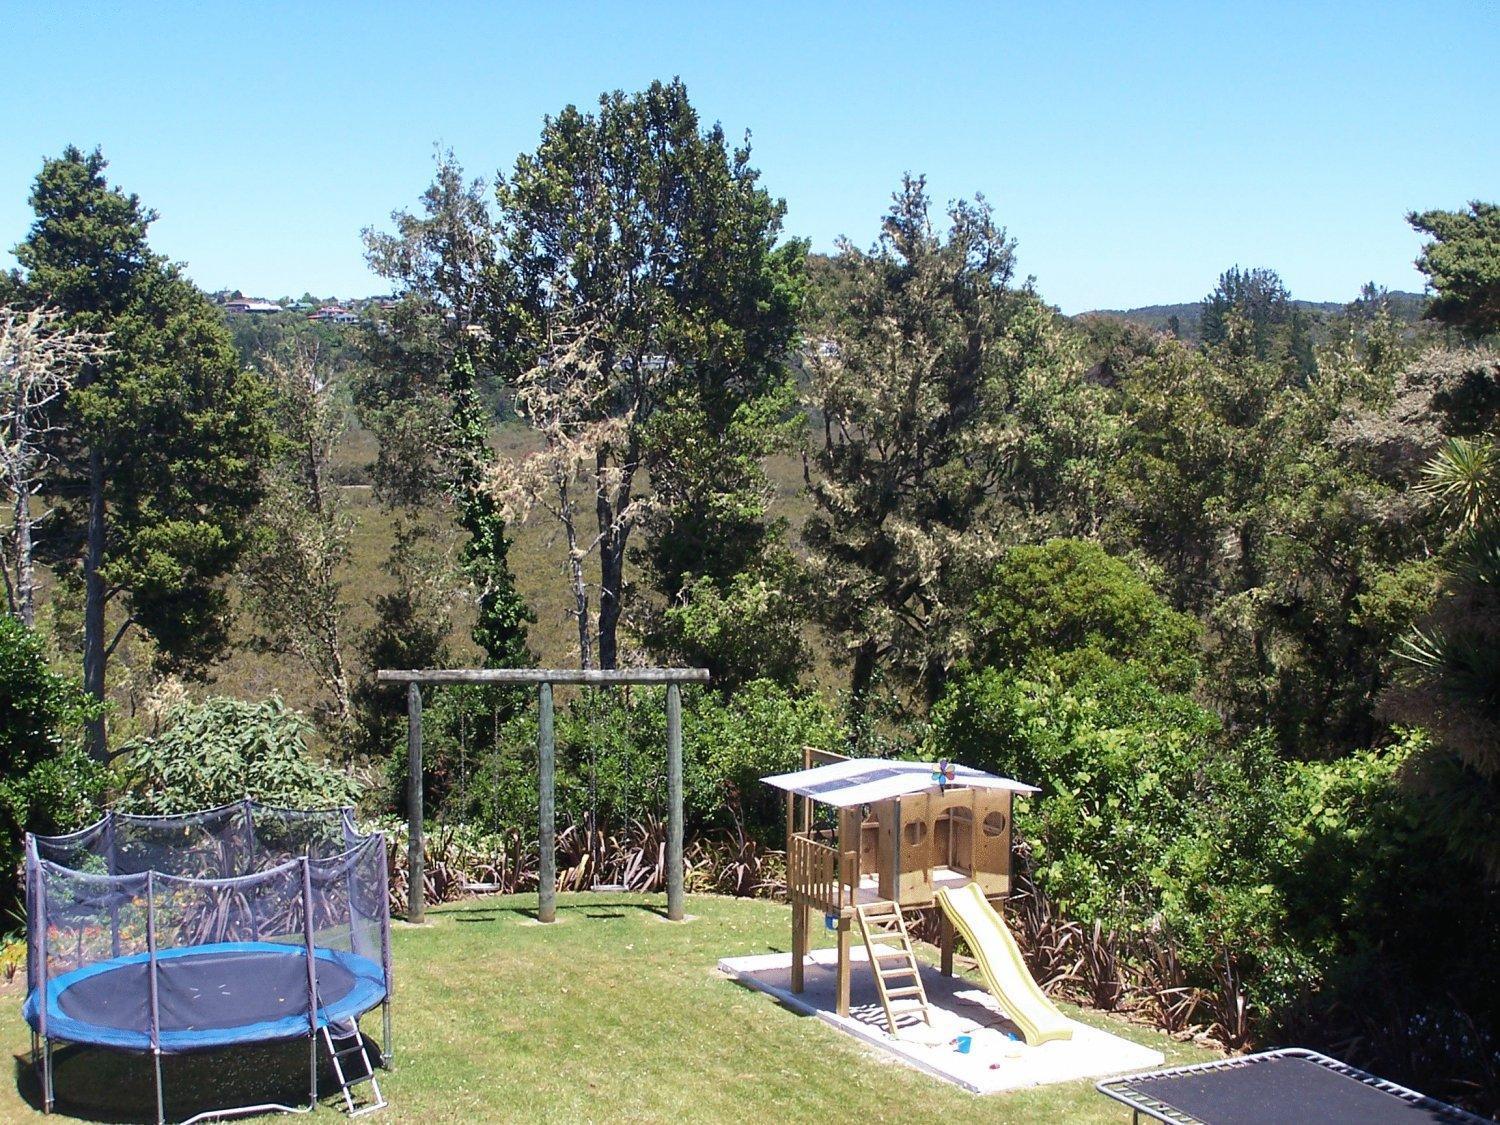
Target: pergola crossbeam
(535,676)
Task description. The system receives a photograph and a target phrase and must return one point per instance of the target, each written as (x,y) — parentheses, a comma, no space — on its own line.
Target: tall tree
(291,570)
(159,443)
(1251,314)
(1276,513)
(1462,262)
(38,364)
(425,397)
(936,389)
(654,312)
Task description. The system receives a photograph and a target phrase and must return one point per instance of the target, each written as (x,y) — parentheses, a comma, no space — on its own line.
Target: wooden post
(844,968)
(945,941)
(674,803)
(791,892)
(546,888)
(416,875)
(896,850)
(799,943)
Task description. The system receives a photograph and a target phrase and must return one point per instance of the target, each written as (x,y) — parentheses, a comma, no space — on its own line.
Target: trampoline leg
(387,1051)
(49,1097)
(312,1076)
(161,1101)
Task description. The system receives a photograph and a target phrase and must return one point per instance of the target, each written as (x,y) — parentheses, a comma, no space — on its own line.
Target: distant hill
(1407,307)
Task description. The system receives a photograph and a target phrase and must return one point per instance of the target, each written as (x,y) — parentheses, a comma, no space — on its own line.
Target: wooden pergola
(543,679)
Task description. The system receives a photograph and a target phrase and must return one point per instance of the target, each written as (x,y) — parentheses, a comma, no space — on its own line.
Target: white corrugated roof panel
(862,781)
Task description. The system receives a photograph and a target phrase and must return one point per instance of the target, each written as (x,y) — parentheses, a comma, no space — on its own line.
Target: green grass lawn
(612,1013)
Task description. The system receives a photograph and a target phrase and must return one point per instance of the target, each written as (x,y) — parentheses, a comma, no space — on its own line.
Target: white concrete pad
(995,1062)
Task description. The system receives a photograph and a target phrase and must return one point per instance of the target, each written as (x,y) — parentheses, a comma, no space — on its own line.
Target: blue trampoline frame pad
(368,991)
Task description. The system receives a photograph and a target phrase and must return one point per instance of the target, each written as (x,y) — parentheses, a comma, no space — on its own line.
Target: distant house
(251,305)
(335,314)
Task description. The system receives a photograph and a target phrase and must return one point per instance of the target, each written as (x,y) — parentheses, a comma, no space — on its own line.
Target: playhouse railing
(813,875)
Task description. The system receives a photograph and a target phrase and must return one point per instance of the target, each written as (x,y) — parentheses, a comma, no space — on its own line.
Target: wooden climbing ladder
(892,959)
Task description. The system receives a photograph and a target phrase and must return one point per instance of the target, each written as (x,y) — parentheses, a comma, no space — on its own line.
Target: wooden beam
(674,803)
(546,888)
(542,676)
(416,875)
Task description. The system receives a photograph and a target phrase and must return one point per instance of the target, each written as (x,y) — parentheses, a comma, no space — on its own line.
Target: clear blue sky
(1134,150)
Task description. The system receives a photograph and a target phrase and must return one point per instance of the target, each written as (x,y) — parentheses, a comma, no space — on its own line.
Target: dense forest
(1220,578)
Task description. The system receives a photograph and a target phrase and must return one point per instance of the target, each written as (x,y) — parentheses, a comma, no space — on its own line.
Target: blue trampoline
(209,996)
(242,924)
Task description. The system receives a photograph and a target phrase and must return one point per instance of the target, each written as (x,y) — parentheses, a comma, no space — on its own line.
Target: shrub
(1150,817)
(1311,901)
(1127,772)
(1065,604)
(222,750)
(735,741)
(747,627)
(47,783)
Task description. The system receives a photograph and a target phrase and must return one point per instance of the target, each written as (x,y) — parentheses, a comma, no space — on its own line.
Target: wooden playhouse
(901,833)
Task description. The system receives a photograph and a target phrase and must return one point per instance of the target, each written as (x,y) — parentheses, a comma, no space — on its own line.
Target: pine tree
(159,444)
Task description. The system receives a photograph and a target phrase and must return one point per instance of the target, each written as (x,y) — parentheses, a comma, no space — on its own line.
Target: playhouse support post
(799,939)
(546,887)
(844,967)
(674,803)
(416,876)
(799,944)
(896,851)
(945,942)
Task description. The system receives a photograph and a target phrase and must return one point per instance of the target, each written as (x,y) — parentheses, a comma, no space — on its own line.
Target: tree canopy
(653,310)
(942,395)
(1462,262)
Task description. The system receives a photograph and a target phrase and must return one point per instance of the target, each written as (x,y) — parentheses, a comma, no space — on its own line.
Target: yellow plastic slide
(1004,969)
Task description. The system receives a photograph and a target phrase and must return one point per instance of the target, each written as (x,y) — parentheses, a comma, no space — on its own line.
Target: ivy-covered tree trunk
(23,597)
(503,614)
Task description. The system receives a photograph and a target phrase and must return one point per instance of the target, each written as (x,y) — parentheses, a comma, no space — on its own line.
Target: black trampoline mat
(218,989)
(1281,1090)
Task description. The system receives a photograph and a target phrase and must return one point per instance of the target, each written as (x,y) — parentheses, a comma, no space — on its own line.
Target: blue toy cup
(963,1043)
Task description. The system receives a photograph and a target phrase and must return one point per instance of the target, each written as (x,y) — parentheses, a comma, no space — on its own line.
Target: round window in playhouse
(994,824)
(915,833)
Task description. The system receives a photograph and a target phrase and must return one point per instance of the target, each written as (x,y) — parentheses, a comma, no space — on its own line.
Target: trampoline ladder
(892,959)
(348,1044)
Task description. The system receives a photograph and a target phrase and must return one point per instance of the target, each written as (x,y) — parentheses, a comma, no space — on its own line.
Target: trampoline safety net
(239,923)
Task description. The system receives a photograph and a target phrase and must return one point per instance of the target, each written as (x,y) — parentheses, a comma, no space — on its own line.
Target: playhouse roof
(861,781)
